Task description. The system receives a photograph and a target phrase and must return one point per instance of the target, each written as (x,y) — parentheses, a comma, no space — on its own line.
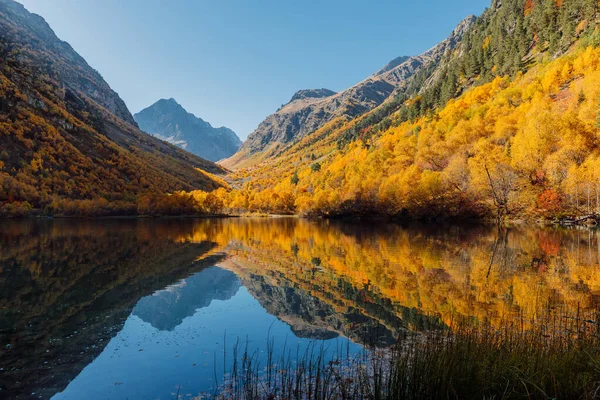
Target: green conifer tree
(295,179)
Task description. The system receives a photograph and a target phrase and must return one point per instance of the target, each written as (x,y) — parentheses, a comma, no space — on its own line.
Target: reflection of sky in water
(143,362)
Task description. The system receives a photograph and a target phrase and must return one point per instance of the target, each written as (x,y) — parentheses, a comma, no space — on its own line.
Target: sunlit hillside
(519,140)
(523,147)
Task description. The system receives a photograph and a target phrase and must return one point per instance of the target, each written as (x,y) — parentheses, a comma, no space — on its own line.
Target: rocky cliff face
(305,114)
(306,94)
(169,121)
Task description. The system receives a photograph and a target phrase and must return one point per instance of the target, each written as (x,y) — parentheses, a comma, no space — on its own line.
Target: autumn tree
(598,115)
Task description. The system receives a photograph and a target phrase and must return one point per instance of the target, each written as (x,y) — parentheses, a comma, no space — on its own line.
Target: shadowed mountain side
(60,307)
(44,47)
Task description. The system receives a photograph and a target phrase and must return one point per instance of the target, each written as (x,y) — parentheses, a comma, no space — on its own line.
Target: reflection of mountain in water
(311,317)
(316,311)
(67,287)
(307,316)
(167,308)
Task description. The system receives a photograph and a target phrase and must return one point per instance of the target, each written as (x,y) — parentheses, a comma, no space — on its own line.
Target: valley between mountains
(500,120)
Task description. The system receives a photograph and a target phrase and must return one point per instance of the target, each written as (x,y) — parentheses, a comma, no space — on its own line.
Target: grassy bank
(558,359)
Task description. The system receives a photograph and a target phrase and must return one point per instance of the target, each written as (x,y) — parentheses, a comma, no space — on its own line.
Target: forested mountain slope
(67,141)
(506,124)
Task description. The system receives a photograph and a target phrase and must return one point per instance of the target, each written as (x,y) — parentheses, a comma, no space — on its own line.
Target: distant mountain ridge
(305,114)
(168,120)
(311,94)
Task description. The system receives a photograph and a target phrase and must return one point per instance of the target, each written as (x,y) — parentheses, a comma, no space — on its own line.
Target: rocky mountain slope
(44,48)
(66,135)
(305,114)
(169,121)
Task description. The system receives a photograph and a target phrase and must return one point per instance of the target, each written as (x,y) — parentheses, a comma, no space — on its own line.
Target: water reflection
(144,361)
(66,288)
(73,294)
(166,309)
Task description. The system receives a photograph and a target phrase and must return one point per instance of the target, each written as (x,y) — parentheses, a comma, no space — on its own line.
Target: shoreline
(518,222)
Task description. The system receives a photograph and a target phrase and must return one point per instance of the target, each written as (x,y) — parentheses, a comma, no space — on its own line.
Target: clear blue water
(180,348)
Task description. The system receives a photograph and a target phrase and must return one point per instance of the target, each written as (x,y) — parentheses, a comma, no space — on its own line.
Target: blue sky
(233,63)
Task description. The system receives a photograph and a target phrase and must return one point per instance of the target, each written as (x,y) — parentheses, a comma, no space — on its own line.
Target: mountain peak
(170,102)
(392,64)
(464,25)
(169,121)
(312,94)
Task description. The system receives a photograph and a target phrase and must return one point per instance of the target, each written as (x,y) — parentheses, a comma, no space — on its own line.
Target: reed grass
(556,356)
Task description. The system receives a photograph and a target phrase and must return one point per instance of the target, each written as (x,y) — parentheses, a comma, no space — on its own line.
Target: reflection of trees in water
(324,278)
(447,271)
(68,287)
